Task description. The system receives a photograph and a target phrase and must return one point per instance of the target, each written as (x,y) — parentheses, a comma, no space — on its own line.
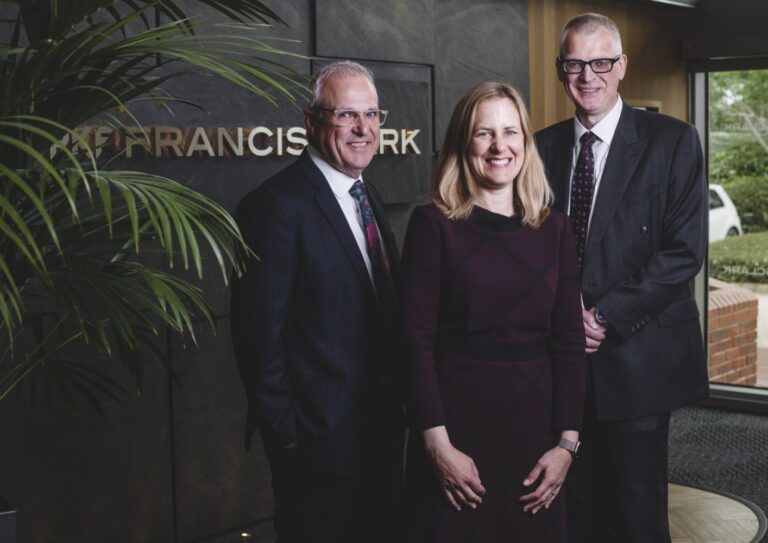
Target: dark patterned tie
(582,190)
(382,278)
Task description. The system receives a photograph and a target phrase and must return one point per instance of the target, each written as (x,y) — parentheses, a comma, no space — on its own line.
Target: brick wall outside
(732,334)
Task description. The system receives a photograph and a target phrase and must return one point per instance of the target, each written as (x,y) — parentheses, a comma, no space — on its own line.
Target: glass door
(736,104)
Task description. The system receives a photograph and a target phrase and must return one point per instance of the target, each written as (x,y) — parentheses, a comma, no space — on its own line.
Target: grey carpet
(722,451)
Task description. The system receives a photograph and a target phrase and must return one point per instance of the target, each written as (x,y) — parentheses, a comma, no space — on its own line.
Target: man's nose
(361,124)
(587,73)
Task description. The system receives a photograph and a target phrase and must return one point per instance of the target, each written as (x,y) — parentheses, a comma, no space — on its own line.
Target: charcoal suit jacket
(646,242)
(319,361)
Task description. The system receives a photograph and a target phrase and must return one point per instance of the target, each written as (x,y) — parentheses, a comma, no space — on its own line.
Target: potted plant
(74,234)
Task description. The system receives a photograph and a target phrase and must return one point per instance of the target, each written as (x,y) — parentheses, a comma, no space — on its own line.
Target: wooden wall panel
(651,40)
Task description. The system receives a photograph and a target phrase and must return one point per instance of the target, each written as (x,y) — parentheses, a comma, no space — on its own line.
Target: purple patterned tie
(382,279)
(582,190)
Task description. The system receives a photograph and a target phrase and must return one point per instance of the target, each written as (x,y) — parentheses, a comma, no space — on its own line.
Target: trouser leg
(312,506)
(617,489)
(637,473)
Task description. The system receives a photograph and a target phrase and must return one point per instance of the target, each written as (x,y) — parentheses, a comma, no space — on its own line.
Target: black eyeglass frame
(583,63)
(382,113)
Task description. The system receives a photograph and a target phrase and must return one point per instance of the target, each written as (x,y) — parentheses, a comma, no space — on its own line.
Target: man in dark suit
(313,324)
(633,184)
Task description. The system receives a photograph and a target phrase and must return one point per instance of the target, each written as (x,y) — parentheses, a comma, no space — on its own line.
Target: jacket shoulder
(286,187)
(652,123)
(551,134)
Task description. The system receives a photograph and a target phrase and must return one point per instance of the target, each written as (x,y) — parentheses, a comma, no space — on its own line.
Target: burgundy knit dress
(495,352)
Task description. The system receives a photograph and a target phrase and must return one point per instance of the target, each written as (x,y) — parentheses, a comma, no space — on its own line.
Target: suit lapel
(558,160)
(329,206)
(623,158)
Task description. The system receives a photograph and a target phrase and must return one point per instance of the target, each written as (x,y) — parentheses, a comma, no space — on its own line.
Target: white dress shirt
(605,129)
(340,184)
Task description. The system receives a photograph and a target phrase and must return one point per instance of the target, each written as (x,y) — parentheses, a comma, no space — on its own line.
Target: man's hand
(593,330)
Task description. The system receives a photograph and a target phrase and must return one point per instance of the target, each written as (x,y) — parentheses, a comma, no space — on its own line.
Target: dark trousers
(616,491)
(312,506)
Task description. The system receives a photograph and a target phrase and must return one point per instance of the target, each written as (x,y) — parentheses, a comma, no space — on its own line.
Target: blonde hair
(453,184)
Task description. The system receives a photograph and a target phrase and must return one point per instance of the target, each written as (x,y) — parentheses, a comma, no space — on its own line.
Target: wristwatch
(600,318)
(570,446)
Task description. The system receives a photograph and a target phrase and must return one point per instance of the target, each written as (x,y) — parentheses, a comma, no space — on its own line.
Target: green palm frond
(57,18)
(129,209)
(90,258)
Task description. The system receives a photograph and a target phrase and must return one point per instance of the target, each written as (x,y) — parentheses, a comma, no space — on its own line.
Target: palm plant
(78,241)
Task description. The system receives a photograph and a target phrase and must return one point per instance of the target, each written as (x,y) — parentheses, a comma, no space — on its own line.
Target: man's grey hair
(589,23)
(341,67)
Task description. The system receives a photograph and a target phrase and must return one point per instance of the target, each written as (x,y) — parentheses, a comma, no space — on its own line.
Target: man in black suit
(313,324)
(633,184)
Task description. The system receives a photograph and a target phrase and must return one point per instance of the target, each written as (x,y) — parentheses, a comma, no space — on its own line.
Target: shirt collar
(605,129)
(340,183)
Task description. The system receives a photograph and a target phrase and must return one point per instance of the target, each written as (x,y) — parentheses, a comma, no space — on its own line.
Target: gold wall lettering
(198,141)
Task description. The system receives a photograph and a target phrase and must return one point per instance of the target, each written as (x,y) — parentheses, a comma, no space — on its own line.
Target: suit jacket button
(644,229)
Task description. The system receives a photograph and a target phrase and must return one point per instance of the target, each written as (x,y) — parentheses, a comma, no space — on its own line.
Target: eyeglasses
(350,117)
(598,65)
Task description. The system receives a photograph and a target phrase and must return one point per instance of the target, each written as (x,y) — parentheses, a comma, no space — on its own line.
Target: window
(714,200)
(734,106)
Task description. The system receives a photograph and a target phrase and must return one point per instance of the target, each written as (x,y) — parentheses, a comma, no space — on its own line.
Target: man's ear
(622,67)
(560,72)
(309,121)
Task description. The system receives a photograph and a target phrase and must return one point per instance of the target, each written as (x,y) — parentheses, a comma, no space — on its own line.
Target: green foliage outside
(750,196)
(738,157)
(738,100)
(742,259)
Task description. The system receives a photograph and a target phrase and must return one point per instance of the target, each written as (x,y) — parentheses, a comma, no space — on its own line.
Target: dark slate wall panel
(78,478)
(399,31)
(219,485)
(223,105)
(477,41)
(225,179)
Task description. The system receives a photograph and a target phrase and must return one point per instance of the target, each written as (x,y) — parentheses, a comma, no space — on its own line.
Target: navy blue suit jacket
(319,362)
(646,242)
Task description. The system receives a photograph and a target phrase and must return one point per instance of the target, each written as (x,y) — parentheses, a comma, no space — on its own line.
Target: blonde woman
(494,337)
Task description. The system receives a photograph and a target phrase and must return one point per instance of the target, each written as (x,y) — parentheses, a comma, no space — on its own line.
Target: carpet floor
(721,451)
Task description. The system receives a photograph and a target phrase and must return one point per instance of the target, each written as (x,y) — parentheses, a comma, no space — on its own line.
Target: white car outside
(724,220)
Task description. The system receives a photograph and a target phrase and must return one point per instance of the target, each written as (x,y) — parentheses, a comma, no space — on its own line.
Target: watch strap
(570,446)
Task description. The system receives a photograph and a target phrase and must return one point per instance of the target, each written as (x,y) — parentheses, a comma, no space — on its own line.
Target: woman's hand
(456,472)
(554,466)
